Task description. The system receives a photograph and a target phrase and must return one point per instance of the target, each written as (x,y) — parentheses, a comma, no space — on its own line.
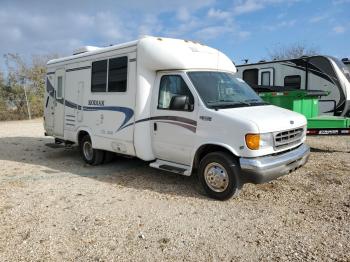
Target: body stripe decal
(128,112)
(180,121)
(189,127)
(187,123)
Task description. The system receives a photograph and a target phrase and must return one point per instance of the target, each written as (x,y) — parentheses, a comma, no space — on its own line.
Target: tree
(295,50)
(12,93)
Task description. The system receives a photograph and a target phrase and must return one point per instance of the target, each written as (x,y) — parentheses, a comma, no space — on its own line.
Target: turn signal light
(252,141)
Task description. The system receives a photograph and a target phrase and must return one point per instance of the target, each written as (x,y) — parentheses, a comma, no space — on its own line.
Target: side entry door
(266,77)
(59,102)
(174,119)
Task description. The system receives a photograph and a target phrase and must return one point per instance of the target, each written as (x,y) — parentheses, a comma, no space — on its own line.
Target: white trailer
(176,104)
(346,62)
(324,73)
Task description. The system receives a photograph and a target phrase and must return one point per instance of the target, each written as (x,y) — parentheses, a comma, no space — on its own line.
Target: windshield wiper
(256,101)
(227,103)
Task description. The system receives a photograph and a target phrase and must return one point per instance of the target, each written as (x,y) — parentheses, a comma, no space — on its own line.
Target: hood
(267,118)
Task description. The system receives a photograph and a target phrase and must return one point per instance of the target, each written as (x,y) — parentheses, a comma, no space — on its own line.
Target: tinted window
(265,78)
(292,81)
(251,76)
(99,76)
(170,86)
(117,74)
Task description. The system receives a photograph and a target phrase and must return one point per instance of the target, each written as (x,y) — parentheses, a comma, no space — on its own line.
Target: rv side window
(172,86)
(117,74)
(99,76)
(265,78)
(293,81)
(59,87)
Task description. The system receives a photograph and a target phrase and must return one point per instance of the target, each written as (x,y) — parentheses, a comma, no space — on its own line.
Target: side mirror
(180,103)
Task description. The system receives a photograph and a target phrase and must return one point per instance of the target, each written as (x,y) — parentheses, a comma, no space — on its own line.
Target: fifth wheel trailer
(346,61)
(323,73)
(177,104)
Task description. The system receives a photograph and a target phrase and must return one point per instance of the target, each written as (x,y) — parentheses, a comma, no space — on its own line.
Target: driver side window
(174,94)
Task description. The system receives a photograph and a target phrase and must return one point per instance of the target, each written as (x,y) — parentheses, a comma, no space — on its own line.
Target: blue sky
(243,29)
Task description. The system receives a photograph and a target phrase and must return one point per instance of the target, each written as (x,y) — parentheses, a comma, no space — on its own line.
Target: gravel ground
(53,207)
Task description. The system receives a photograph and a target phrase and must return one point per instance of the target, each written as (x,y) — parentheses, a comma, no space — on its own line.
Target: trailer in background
(346,62)
(324,73)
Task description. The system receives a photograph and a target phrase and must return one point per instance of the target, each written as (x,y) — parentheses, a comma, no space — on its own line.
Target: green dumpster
(303,102)
(306,102)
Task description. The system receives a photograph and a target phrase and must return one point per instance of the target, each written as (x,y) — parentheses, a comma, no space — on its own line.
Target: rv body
(148,99)
(307,73)
(346,62)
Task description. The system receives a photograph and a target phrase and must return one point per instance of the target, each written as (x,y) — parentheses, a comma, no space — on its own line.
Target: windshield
(342,67)
(223,90)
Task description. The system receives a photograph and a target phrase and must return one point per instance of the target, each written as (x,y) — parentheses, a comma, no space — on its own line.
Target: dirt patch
(53,207)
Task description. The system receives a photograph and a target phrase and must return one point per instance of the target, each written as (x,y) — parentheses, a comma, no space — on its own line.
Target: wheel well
(81,135)
(206,149)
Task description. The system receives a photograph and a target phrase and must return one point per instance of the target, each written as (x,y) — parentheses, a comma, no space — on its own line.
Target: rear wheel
(90,155)
(219,175)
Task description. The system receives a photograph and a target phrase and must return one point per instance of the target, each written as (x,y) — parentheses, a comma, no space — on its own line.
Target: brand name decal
(328,132)
(96,103)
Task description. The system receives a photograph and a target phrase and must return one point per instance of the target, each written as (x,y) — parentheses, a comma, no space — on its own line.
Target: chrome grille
(288,138)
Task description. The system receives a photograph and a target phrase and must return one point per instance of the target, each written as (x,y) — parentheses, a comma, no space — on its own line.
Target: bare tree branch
(291,51)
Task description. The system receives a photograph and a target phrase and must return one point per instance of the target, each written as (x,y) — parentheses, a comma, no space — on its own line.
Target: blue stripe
(128,112)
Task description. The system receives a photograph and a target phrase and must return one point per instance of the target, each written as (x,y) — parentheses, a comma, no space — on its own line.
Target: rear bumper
(263,169)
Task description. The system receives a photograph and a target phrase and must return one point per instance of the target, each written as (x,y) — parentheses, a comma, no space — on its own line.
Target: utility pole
(23,80)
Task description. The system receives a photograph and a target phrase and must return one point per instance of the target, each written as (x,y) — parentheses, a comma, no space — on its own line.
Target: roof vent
(84,49)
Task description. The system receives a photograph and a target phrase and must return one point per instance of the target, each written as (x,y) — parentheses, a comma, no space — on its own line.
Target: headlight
(266,140)
(259,141)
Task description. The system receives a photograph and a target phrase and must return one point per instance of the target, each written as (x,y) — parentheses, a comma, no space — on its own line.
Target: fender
(85,129)
(212,143)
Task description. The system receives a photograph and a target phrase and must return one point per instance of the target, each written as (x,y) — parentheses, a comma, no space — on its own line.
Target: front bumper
(266,168)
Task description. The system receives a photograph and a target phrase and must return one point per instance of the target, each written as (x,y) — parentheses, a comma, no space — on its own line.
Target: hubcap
(216,177)
(87,150)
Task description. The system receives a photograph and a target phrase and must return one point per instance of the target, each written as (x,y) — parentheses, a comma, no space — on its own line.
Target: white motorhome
(324,73)
(177,104)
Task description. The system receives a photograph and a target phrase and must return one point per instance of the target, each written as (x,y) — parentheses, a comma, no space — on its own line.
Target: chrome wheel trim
(87,150)
(216,177)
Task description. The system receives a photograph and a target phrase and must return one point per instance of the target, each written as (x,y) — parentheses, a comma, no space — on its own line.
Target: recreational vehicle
(177,104)
(308,73)
(346,61)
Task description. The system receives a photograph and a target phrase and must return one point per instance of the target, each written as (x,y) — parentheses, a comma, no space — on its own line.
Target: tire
(109,157)
(90,155)
(219,174)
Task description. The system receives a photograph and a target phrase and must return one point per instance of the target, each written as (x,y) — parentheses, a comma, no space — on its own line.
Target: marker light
(252,141)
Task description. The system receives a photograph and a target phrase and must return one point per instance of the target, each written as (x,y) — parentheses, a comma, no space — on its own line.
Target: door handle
(155,127)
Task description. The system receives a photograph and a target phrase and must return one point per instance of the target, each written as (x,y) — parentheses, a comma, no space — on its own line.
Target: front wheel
(219,175)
